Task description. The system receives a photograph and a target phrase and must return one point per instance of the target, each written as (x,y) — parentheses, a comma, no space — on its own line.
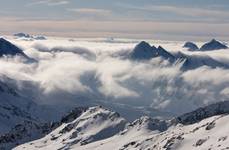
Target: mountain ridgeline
(101,128)
(9,49)
(144,51)
(209,46)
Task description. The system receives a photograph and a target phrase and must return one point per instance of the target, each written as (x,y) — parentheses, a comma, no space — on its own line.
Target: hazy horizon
(154,19)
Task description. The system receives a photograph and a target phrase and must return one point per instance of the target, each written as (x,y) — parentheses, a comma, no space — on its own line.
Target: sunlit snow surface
(75,72)
(87,132)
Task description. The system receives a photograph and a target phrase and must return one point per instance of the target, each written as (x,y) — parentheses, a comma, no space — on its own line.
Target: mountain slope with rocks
(204,128)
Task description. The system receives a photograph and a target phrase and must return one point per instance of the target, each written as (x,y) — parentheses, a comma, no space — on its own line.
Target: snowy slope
(14,107)
(18,106)
(24,132)
(201,129)
(94,124)
(209,133)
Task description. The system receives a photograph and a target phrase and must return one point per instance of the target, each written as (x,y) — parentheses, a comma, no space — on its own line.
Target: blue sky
(161,19)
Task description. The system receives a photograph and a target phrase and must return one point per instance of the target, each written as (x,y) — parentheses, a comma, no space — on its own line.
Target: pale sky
(158,19)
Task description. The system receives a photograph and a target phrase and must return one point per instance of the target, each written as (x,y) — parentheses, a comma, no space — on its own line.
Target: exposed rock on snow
(84,126)
(205,128)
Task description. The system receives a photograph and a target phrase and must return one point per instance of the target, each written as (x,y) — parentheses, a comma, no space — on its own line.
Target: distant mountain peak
(144,43)
(213,45)
(29,37)
(213,40)
(24,35)
(7,48)
(191,46)
(144,51)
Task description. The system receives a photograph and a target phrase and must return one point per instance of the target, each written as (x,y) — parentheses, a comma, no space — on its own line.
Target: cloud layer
(82,71)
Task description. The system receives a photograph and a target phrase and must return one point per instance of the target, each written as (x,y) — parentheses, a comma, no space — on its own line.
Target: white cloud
(49,2)
(189,11)
(127,29)
(156,84)
(90,11)
(206,14)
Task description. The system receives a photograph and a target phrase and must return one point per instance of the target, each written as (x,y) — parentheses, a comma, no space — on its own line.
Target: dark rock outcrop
(143,51)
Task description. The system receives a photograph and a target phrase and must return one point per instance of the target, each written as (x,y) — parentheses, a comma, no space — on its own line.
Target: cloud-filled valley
(93,71)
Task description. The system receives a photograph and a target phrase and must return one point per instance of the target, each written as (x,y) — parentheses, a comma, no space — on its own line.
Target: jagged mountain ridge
(209,46)
(144,133)
(31,130)
(90,125)
(196,61)
(143,51)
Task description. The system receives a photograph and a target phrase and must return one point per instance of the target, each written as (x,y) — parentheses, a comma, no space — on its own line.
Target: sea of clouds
(93,71)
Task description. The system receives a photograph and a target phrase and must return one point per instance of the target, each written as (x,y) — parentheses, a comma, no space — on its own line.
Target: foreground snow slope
(94,124)
(99,128)
(211,133)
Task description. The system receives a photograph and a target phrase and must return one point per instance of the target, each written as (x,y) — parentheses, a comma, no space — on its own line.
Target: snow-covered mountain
(213,45)
(99,128)
(191,46)
(83,126)
(31,130)
(14,107)
(17,106)
(136,85)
